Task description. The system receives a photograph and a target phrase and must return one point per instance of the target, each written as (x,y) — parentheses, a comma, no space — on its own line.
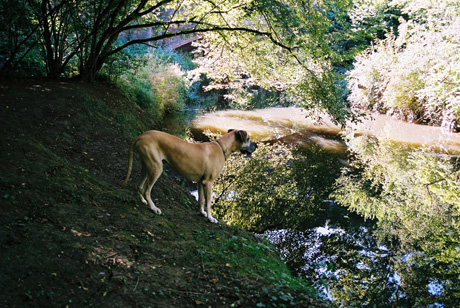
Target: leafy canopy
(275,44)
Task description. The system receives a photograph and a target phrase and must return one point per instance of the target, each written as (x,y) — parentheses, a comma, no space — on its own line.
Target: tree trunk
(90,69)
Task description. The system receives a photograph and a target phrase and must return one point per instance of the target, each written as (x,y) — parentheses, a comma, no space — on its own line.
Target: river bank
(69,237)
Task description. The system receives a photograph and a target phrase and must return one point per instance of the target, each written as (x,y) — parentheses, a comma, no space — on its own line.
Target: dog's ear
(241,135)
(230,130)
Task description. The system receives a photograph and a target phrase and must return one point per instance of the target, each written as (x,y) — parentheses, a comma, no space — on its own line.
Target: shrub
(157,83)
(413,76)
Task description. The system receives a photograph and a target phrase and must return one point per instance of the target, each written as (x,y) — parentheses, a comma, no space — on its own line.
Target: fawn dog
(199,162)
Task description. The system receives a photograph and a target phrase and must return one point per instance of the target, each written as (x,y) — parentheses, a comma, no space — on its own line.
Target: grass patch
(259,277)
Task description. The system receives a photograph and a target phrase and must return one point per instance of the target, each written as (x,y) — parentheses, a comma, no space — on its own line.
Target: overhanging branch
(201,27)
(197,31)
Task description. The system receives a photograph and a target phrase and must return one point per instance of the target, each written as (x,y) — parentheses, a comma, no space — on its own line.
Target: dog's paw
(212,220)
(204,213)
(157,211)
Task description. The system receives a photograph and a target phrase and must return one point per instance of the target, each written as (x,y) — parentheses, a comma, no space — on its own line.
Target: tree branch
(212,28)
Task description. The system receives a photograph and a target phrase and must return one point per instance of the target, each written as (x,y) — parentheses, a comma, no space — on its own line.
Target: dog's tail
(130,162)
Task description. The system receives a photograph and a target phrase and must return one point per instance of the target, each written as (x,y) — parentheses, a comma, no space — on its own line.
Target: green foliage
(18,39)
(255,98)
(278,187)
(415,197)
(293,56)
(414,75)
(373,19)
(157,83)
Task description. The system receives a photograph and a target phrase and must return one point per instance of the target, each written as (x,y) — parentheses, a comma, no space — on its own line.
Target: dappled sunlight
(109,256)
(264,124)
(221,124)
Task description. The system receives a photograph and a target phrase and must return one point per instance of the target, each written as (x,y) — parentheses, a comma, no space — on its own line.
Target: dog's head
(247,146)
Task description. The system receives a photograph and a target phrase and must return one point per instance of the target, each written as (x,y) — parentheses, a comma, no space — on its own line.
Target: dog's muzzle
(248,149)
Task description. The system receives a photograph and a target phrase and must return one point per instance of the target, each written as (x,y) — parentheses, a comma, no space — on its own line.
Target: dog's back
(191,160)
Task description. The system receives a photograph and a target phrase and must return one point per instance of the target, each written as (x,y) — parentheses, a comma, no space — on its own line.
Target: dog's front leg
(207,191)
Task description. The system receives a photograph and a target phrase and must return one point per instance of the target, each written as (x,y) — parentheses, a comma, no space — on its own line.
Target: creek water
(315,248)
(293,125)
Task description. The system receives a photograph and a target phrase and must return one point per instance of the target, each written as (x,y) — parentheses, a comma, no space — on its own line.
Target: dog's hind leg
(153,173)
(201,198)
(142,181)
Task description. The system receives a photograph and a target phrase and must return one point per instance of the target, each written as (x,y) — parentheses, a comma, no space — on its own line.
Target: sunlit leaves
(414,75)
(158,85)
(283,46)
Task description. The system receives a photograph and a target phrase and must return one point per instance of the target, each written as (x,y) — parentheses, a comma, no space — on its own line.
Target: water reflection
(354,269)
(351,267)
(275,123)
(406,253)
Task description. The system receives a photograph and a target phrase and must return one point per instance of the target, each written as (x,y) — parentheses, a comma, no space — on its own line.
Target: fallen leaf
(197,302)
(77,233)
(83,287)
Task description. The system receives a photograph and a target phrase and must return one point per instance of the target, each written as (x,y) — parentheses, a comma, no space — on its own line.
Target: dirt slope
(69,237)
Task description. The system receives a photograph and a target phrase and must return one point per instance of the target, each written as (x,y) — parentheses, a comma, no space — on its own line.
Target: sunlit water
(293,125)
